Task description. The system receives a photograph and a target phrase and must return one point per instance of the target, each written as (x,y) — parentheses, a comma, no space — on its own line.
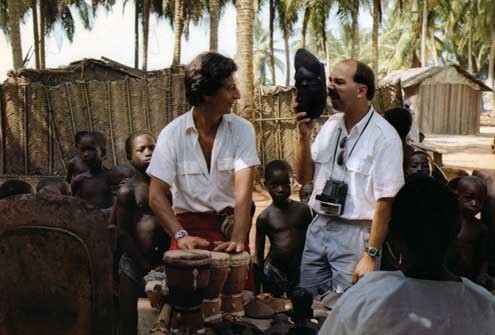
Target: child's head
(424,221)
(92,148)
(401,119)
(79,135)
(277,179)
(471,193)
(53,185)
(418,162)
(305,192)
(14,187)
(139,148)
(119,174)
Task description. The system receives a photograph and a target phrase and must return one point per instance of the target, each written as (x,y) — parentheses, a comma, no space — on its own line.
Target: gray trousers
(333,248)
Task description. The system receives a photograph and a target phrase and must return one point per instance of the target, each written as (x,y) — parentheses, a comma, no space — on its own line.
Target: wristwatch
(372,251)
(180,234)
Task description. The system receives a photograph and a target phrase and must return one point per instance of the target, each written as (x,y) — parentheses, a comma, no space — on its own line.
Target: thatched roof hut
(446,99)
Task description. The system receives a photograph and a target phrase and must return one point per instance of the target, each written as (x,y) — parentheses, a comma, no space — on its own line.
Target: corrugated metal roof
(414,76)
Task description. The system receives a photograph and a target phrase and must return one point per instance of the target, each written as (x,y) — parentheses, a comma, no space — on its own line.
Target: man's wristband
(180,234)
(372,251)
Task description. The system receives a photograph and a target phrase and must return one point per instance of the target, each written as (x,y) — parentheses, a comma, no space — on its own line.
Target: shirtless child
(468,256)
(418,162)
(284,222)
(94,184)
(141,238)
(76,165)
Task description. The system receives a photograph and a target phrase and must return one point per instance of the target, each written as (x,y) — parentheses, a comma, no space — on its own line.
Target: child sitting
(53,185)
(285,223)
(468,256)
(14,187)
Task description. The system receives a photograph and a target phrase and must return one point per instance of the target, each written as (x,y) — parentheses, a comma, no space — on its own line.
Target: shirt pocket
(225,174)
(360,166)
(189,177)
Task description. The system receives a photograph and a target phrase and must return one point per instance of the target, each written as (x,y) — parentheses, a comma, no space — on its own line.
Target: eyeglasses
(340,157)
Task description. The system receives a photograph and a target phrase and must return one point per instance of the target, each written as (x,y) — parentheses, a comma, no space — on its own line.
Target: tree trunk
(491,63)
(354,29)
(272,51)
(287,58)
(424,29)
(42,33)
(376,26)
(136,34)
(434,49)
(36,35)
(146,30)
(304,29)
(15,32)
(179,25)
(214,20)
(245,23)
(470,51)
(325,46)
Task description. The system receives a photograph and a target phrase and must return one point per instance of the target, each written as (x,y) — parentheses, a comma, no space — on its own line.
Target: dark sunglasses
(340,157)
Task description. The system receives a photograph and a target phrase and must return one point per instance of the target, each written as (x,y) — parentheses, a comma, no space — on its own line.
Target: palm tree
(183,12)
(262,55)
(52,11)
(214,10)
(348,13)
(287,17)
(14,17)
(245,21)
(377,18)
(319,12)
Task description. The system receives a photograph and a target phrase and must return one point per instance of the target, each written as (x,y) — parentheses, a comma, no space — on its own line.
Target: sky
(112,36)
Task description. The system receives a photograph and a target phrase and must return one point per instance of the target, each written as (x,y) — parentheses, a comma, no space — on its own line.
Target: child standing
(285,223)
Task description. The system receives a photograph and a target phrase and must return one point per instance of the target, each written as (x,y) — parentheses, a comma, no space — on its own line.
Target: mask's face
(311,92)
(310,83)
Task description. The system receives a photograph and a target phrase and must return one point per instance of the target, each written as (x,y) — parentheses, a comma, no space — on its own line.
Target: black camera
(332,198)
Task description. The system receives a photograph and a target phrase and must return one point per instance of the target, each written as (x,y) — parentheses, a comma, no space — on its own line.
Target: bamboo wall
(38,123)
(448,109)
(275,124)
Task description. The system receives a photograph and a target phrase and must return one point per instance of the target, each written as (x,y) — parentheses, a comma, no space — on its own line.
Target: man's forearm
(243,198)
(162,209)
(304,163)
(379,225)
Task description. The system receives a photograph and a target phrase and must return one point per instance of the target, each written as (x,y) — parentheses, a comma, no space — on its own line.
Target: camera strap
(352,149)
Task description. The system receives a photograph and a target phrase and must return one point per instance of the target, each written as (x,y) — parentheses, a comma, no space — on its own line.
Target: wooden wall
(448,109)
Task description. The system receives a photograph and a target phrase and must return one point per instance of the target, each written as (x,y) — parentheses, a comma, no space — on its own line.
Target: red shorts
(207,226)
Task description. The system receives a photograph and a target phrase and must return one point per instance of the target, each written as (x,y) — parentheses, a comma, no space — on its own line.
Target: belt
(224,212)
(339,220)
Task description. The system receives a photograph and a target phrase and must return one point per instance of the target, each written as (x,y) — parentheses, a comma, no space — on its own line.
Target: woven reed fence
(275,124)
(38,122)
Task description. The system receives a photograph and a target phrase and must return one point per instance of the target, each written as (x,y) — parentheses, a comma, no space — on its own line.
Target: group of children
(122,192)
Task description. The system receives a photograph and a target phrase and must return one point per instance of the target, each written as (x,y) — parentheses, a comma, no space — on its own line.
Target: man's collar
(361,124)
(190,120)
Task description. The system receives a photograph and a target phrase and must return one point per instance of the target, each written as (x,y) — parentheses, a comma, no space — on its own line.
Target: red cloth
(207,226)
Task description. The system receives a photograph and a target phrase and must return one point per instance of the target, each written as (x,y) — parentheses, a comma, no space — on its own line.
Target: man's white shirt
(373,171)
(179,161)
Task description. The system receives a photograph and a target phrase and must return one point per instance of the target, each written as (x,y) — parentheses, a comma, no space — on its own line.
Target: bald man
(355,164)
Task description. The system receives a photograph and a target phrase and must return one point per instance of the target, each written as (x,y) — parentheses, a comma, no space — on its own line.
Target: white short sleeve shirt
(372,171)
(389,303)
(179,161)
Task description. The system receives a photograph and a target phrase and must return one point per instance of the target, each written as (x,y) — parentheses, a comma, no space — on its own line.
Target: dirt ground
(458,151)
